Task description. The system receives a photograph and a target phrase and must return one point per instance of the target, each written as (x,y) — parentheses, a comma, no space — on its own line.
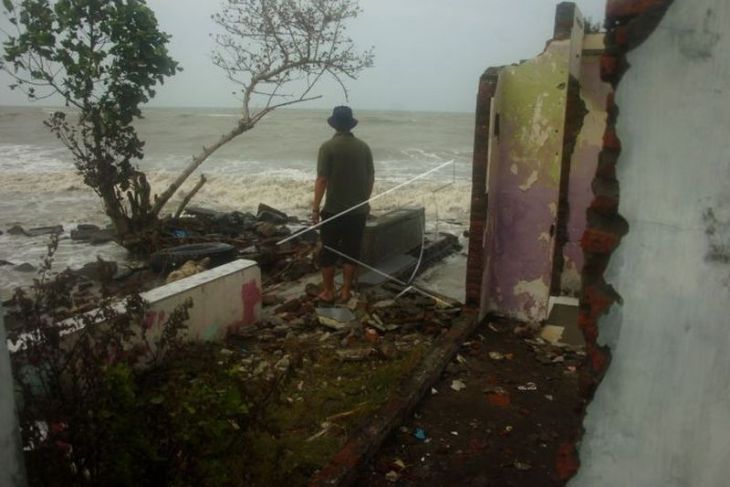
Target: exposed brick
(607,160)
(598,241)
(620,36)
(605,204)
(588,325)
(566,461)
(594,266)
(629,8)
(611,140)
(599,298)
(598,359)
(609,67)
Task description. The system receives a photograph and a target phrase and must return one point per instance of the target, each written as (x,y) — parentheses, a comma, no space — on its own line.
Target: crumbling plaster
(593,92)
(527,145)
(660,416)
(524,178)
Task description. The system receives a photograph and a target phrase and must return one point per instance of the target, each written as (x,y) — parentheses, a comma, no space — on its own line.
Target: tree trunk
(120,221)
(161,200)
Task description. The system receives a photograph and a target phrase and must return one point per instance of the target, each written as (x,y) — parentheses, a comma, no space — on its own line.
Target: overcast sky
(428,53)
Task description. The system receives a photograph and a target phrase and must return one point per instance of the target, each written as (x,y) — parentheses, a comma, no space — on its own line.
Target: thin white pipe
(313,227)
(388,276)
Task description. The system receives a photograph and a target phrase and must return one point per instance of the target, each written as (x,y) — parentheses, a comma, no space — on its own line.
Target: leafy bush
(103,403)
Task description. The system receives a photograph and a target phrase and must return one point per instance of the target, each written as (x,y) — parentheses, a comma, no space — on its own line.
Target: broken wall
(523,183)
(661,416)
(584,160)
(541,131)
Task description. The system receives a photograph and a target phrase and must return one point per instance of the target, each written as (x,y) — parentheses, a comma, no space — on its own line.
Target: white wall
(12,470)
(661,417)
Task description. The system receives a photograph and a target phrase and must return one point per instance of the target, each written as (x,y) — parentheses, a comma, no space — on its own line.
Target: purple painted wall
(594,93)
(527,163)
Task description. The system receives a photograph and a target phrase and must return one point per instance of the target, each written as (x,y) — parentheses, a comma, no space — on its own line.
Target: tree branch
(189,196)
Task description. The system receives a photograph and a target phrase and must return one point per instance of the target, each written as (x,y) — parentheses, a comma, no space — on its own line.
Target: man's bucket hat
(342,119)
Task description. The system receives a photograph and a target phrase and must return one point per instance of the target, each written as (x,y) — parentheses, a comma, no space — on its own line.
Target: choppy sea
(274,164)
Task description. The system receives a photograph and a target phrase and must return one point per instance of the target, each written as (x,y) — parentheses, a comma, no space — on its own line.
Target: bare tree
(277,51)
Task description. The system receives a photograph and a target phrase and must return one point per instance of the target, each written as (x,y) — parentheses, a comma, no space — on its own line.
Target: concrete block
(225,299)
(393,233)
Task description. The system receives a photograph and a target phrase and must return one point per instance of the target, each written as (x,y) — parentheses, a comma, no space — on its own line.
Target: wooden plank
(345,466)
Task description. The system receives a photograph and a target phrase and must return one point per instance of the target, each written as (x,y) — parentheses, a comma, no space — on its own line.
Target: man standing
(345,173)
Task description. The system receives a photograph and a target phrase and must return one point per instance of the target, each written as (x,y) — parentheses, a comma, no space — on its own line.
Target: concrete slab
(224,299)
(396,232)
(394,266)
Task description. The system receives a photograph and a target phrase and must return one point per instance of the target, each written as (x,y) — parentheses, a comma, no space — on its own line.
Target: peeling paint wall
(661,415)
(584,161)
(524,176)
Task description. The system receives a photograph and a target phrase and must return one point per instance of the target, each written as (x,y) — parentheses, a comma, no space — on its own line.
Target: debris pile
(500,415)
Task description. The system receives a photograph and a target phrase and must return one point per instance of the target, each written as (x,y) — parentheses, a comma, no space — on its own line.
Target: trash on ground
(420,434)
(530,386)
(335,318)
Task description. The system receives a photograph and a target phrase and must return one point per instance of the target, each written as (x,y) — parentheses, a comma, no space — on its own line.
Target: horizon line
(221,107)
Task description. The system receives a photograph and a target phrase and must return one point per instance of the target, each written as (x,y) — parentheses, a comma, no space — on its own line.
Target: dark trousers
(343,234)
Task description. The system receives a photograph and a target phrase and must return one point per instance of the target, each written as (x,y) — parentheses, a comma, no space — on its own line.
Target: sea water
(274,163)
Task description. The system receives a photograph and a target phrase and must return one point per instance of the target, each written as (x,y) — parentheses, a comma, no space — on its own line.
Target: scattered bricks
(566,462)
(499,399)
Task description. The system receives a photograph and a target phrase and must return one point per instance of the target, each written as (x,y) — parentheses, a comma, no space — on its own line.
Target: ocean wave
(39,199)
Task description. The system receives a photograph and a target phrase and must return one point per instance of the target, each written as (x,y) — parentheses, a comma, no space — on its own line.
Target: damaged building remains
(598,244)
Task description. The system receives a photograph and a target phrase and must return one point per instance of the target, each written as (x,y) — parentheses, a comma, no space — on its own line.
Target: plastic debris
(496,356)
(420,434)
(457,385)
(434,391)
(530,386)
(335,318)
(392,476)
(371,335)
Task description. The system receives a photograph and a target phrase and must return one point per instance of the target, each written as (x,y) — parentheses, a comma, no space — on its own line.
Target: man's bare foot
(344,297)
(326,296)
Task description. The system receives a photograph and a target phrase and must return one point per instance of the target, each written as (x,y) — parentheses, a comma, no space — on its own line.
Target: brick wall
(628,23)
(477,226)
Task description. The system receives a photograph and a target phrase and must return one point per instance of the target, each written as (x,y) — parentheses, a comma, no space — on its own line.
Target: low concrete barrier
(394,233)
(225,299)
